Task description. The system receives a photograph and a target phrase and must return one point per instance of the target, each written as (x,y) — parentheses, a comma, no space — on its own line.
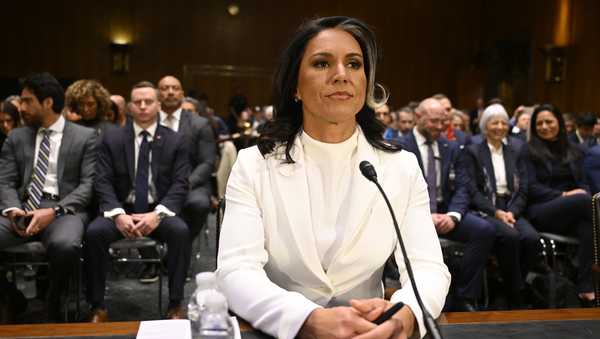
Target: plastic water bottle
(205,282)
(214,321)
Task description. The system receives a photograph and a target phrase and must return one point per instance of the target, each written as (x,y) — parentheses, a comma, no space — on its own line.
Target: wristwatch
(59,211)
(161,215)
(454,218)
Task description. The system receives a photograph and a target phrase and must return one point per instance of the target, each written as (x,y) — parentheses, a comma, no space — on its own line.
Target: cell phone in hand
(389,313)
(23,221)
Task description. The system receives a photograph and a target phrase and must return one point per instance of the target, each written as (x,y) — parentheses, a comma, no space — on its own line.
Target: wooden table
(131,328)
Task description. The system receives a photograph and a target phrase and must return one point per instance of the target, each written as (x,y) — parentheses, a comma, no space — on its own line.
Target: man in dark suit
(200,142)
(583,134)
(447,181)
(46,178)
(591,168)
(141,183)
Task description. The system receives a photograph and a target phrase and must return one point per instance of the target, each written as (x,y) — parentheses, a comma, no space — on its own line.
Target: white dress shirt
(151,188)
(499,169)
(51,182)
(171,120)
(422,144)
(328,175)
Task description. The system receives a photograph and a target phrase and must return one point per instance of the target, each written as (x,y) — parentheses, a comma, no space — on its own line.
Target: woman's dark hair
(287,121)
(12,110)
(539,148)
(44,85)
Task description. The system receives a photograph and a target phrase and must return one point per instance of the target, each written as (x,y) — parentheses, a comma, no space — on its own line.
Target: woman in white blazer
(305,236)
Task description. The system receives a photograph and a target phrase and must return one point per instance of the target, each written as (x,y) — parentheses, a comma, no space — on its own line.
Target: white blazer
(268,264)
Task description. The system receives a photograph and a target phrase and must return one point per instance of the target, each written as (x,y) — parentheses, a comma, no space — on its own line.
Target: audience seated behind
(549,187)
(443,167)
(47,173)
(200,142)
(558,197)
(498,182)
(156,159)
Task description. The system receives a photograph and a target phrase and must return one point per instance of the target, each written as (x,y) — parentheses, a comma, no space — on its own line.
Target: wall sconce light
(556,63)
(119,56)
(233,9)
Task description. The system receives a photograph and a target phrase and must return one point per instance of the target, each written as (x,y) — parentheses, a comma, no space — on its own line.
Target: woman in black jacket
(558,197)
(499,193)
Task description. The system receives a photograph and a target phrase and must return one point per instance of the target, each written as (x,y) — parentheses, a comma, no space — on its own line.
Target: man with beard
(444,171)
(200,142)
(46,178)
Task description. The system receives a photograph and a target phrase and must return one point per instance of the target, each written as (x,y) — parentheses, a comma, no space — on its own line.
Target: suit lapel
(291,180)
(28,155)
(509,168)
(184,122)
(354,213)
(157,146)
(65,146)
(444,149)
(411,146)
(130,150)
(486,161)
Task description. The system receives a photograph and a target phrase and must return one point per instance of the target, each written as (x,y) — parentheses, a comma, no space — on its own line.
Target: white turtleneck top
(328,169)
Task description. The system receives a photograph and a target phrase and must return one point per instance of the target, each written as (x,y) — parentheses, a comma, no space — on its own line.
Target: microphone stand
(430,324)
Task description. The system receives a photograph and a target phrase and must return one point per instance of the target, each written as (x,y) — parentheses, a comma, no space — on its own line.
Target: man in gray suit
(46,178)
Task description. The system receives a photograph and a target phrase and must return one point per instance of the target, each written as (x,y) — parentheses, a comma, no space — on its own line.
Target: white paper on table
(161,329)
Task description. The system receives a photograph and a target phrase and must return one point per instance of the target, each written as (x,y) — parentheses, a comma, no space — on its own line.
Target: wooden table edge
(131,327)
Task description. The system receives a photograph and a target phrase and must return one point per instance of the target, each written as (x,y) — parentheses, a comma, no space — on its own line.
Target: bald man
(447,183)
(121,105)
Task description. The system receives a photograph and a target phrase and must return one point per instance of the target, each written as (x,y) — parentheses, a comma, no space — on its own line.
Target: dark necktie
(141,177)
(431,177)
(39,173)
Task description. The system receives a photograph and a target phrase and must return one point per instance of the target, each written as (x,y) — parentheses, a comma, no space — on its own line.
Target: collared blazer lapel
(510,168)
(185,122)
(130,151)
(28,156)
(410,144)
(157,148)
(362,196)
(291,181)
(65,147)
(445,155)
(485,157)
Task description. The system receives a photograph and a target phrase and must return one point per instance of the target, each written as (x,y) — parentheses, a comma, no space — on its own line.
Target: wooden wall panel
(428,46)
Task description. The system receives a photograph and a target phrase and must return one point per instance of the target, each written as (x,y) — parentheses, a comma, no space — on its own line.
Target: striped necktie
(39,173)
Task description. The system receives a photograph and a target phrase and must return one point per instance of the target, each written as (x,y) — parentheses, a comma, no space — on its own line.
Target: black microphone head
(368,171)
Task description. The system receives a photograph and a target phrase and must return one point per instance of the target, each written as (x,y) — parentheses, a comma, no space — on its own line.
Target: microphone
(368,171)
